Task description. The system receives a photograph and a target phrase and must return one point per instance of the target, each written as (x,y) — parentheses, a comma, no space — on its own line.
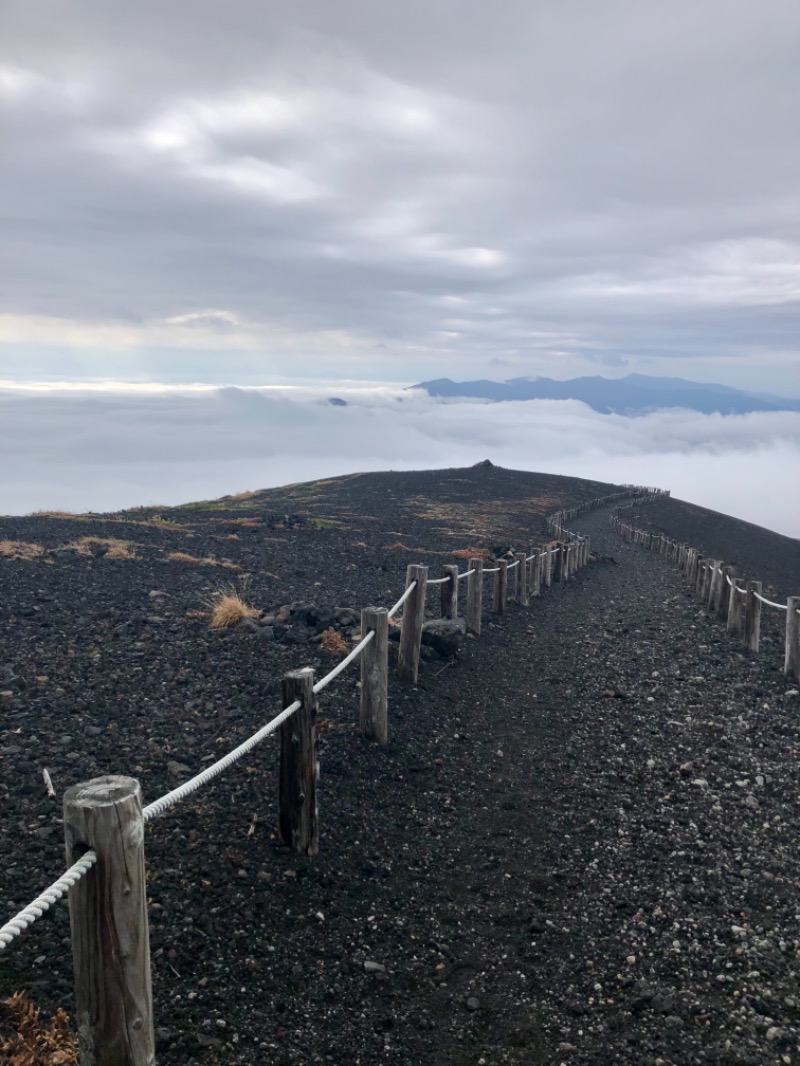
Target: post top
(103,791)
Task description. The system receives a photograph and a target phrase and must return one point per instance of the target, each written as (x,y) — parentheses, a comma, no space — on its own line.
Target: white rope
(354,654)
(512,565)
(467,574)
(438,580)
(157,807)
(493,570)
(769,603)
(728,579)
(28,915)
(742,592)
(402,599)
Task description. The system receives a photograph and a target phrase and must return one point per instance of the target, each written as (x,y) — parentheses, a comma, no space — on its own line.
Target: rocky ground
(578,847)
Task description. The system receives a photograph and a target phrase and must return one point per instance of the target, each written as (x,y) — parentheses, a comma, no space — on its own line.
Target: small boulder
(445,635)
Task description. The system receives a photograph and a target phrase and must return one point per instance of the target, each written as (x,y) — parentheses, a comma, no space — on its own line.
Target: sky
(243,192)
(331,194)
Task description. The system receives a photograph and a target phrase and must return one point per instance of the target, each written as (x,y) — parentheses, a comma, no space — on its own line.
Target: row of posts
(108,907)
(733,599)
(555,521)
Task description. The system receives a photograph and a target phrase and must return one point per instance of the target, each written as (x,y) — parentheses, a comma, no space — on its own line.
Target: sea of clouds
(110,447)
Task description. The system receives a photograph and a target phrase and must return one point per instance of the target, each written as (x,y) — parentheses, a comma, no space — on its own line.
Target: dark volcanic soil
(579,845)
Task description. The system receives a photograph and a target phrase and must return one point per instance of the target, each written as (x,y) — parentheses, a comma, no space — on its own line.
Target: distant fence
(104,818)
(733,599)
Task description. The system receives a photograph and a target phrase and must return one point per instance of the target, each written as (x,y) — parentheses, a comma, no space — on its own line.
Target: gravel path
(579,847)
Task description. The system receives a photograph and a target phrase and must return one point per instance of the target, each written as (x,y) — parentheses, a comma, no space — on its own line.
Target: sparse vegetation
(26,1040)
(196,560)
(227,608)
(109,547)
(20,549)
(472,553)
(333,643)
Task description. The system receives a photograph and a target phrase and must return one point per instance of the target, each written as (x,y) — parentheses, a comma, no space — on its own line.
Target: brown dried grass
(26,1040)
(333,643)
(110,547)
(472,553)
(227,608)
(196,560)
(20,549)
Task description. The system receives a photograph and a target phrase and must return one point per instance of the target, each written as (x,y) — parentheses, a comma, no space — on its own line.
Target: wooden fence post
(558,563)
(450,592)
(752,616)
(708,581)
(108,917)
(722,597)
(536,570)
(715,590)
(500,596)
(298,823)
(475,596)
(413,618)
(735,626)
(548,565)
(374,716)
(701,576)
(521,587)
(791,662)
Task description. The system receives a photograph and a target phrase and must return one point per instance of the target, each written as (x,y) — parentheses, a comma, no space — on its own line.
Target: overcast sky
(251,191)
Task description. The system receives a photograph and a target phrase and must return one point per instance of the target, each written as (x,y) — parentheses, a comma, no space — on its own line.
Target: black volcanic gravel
(579,846)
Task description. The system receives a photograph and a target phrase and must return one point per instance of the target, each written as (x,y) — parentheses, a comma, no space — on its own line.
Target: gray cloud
(256,191)
(78,450)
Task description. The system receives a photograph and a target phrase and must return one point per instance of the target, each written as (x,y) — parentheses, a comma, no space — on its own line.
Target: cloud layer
(249,192)
(100,450)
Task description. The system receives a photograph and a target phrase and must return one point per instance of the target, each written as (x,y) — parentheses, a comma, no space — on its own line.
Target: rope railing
(402,599)
(298,762)
(342,666)
(36,908)
(730,598)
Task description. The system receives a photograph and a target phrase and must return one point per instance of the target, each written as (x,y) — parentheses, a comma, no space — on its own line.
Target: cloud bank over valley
(77,450)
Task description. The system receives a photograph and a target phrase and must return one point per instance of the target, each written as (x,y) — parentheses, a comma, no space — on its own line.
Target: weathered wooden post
(708,581)
(558,563)
(701,575)
(108,917)
(548,565)
(752,616)
(735,624)
(475,596)
(536,570)
(298,825)
(374,716)
(500,596)
(715,590)
(726,575)
(791,662)
(413,618)
(450,592)
(521,587)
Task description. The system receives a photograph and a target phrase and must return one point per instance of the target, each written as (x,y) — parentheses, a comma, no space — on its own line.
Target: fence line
(104,818)
(708,579)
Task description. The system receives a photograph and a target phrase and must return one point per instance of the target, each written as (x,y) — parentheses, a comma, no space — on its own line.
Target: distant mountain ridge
(632,395)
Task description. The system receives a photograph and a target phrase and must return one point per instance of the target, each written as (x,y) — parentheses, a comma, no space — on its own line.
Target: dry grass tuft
(333,643)
(196,560)
(472,553)
(398,546)
(109,547)
(35,1043)
(20,549)
(227,608)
